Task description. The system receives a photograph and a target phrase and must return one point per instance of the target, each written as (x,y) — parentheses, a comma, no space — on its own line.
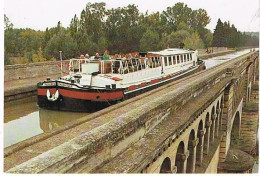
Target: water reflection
(50,119)
(19,108)
(23,119)
(21,129)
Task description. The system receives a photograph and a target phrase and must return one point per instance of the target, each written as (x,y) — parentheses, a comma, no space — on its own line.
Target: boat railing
(115,66)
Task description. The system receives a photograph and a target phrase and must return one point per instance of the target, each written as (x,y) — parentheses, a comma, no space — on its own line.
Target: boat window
(165,61)
(181,58)
(190,57)
(178,59)
(150,63)
(154,62)
(174,59)
(184,56)
(157,60)
(143,63)
(170,60)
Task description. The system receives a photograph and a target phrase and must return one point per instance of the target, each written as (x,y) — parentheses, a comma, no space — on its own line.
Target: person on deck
(87,58)
(97,56)
(106,55)
(81,56)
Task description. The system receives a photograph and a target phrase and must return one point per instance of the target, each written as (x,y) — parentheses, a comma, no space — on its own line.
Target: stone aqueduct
(188,126)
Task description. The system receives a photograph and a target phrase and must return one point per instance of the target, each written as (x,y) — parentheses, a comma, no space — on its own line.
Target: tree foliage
(175,39)
(149,40)
(8,24)
(194,41)
(227,35)
(61,42)
(121,30)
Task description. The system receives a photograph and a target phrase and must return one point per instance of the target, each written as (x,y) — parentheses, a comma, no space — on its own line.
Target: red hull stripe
(95,96)
(142,84)
(133,87)
(164,78)
(155,81)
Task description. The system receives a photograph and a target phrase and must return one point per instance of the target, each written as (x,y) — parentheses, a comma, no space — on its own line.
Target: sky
(40,14)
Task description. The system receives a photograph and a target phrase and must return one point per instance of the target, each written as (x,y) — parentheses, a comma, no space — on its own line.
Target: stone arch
(235,131)
(212,126)
(217,119)
(180,158)
(221,112)
(207,134)
(192,153)
(218,104)
(248,92)
(166,166)
(199,149)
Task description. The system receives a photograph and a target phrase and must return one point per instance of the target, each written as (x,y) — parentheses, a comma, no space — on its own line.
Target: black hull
(72,104)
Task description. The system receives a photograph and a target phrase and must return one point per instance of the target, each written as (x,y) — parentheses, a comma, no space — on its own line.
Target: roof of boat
(171,51)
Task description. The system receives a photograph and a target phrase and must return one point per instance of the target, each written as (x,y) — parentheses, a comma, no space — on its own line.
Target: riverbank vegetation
(121,30)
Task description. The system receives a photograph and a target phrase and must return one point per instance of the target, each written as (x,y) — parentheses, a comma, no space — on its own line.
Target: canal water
(23,119)
(221,59)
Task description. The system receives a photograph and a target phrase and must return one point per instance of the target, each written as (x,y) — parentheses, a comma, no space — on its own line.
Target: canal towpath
(15,89)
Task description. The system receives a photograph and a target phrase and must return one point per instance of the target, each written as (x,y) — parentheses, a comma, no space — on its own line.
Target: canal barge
(94,84)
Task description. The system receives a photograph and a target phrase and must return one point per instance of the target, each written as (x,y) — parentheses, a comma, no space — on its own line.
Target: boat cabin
(168,60)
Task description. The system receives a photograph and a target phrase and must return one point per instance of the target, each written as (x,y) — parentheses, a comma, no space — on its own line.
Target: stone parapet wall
(31,70)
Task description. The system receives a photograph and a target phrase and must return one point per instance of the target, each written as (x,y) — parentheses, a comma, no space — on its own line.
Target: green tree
(7,61)
(194,41)
(61,42)
(74,26)
(206,36)
(59,27)
(175,39)
(7,22)
(218,38)
(31,40)
(91,20)
(149,41)
(38,57)
(12,43)
(180,12)
(199,19)
(122,29)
